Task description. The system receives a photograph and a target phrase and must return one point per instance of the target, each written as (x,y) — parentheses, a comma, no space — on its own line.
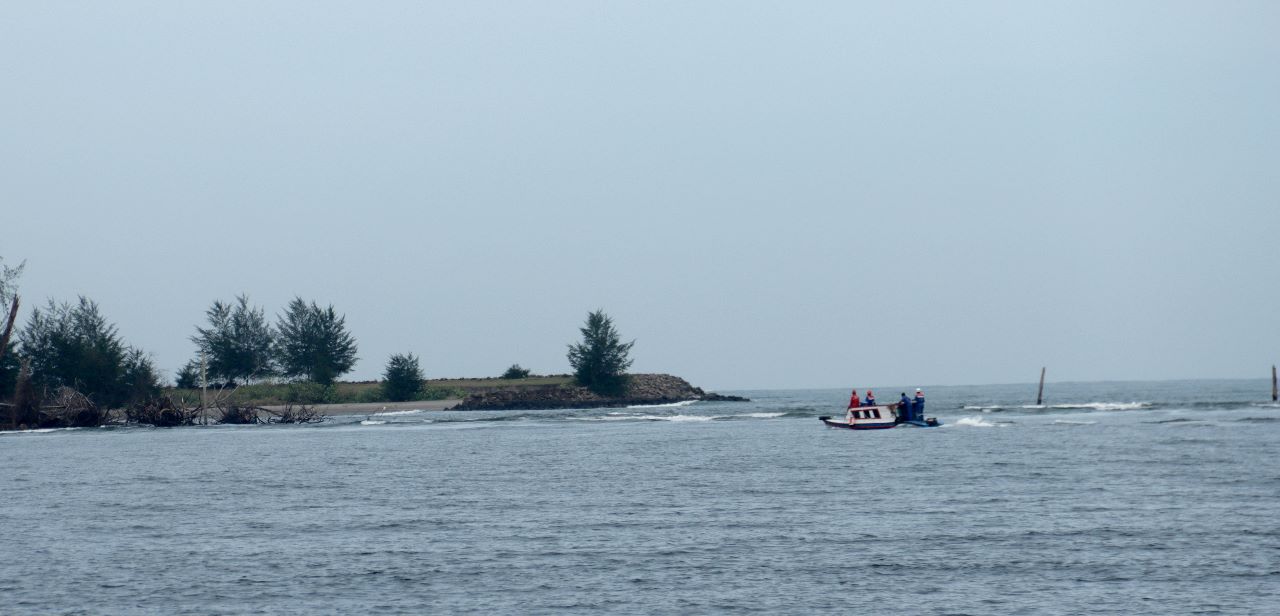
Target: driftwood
(229,413)
(69,408)
(164,412)
(291,414)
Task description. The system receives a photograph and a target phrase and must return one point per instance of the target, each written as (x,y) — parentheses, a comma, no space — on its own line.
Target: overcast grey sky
(763,195)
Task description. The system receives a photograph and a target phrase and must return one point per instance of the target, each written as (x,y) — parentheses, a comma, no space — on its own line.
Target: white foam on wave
(1267,405)
(39,430)
(625,417)
(1105,406)
(975,422)
(396,413)
(369,422)
(1068,422)
(662,406)
(759,415)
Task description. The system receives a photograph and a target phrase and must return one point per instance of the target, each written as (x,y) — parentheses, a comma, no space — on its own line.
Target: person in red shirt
(853,400)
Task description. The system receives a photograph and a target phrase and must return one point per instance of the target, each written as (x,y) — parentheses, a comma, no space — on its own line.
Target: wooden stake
(204,382)
(1040,393)
(1275,393)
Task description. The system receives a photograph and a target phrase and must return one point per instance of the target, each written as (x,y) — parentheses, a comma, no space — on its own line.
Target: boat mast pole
(1275,393)
(1040,392)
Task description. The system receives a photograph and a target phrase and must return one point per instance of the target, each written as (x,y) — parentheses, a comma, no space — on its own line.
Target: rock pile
(641,389)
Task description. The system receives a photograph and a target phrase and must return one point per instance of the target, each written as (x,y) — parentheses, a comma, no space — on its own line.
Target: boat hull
(930,422)
(833,423)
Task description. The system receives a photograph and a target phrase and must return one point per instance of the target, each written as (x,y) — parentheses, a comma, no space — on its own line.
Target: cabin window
(875,413)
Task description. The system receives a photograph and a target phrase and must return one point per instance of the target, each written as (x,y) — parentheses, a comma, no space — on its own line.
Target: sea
(1109,498)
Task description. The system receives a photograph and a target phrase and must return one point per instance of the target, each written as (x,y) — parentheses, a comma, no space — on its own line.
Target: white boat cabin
(879,416)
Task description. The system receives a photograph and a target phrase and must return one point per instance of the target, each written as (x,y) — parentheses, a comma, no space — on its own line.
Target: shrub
(515,372)
(189,376)
(310,393)
(402,378)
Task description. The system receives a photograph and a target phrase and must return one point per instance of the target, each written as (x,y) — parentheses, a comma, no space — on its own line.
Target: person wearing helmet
(871,399)
(917,405)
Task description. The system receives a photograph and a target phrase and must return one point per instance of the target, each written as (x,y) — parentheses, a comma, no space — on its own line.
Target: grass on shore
(274,394)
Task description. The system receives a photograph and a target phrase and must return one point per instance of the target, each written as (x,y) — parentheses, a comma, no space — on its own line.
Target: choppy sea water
(1113,498)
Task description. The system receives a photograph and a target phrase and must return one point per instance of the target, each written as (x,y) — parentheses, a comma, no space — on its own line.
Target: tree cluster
(70,356)
(307,343)
(74,346)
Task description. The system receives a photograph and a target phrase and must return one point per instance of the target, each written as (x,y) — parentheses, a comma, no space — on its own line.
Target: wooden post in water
(1275,393)
(204,382)
(1040,392)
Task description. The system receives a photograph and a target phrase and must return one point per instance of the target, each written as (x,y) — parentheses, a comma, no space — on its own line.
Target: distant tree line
(69,353)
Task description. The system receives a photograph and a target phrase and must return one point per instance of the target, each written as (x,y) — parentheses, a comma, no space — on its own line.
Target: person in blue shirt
(871,399)
(917,405)
(904,408)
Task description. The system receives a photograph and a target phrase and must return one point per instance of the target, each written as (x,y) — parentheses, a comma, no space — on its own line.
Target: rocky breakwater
(641,389)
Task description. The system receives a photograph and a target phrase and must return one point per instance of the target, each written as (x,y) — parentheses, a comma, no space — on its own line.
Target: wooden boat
(878,417)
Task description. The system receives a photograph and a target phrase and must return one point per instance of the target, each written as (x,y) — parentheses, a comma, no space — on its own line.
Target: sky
(761,194)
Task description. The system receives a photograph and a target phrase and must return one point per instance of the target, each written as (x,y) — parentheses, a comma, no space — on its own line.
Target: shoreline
(373,408)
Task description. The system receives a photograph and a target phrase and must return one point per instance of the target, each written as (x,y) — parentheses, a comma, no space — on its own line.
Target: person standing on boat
(871,399)
(904,408)
(917,405)
(853,399)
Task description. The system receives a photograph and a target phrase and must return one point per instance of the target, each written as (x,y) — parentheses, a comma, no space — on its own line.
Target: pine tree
(313,343)
(601,360)
(238,342)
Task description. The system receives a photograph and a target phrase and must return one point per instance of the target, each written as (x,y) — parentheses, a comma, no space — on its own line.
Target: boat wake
(977,422)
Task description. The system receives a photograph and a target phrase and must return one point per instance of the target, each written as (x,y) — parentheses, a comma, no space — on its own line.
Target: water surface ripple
(1145,498)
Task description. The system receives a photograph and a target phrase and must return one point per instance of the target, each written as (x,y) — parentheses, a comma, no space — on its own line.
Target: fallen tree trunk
(8,327)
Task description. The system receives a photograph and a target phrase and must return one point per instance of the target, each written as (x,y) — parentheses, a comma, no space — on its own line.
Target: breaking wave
(629,417)
(40,430)
(1070,406)
(1105,406)
(399,413)
(663,406)
(976,422)
(679,418)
